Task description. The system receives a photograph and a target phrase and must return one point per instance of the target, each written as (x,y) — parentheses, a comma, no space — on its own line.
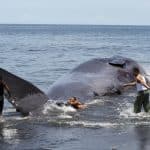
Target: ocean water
(43,53)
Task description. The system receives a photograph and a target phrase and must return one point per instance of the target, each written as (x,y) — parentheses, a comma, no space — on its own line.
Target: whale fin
(25,97)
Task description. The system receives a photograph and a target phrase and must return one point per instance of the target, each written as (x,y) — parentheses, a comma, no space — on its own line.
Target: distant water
(42,54)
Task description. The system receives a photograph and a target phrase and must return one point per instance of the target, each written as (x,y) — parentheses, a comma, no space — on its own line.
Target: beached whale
(94,78)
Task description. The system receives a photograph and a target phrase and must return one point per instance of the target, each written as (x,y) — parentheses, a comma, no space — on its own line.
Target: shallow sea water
(43,53)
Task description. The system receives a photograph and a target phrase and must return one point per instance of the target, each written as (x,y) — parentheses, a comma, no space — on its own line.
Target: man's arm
(130,84)
(140,80)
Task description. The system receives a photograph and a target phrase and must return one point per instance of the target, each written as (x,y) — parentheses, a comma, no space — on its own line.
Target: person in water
(3,87)
(75,103)
(142,98)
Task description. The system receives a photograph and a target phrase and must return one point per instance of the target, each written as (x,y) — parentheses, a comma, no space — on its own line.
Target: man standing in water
(142,91)
(3,87)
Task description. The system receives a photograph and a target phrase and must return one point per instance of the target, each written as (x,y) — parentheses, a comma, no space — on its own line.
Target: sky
(98,12)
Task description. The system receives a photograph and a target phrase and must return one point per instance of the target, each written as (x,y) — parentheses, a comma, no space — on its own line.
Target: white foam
(2,119)
(9,134)
(131,94)
(65,116)
(9,110)
(95,101)
(11,114)
(52,107)
(92,124)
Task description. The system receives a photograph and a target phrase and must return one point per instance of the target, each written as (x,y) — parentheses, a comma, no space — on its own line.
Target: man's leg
(146,102)
(1,104)
(138,104)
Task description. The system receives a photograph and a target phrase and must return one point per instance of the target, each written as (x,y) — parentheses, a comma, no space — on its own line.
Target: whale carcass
(94,78)
(89,80)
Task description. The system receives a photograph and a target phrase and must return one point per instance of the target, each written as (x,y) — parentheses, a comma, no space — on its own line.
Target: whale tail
(25,97)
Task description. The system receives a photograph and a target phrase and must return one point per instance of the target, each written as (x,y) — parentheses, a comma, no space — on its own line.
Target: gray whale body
(89,80)
(94,78)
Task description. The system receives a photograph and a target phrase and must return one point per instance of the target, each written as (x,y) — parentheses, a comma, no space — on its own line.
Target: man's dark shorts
(142,99)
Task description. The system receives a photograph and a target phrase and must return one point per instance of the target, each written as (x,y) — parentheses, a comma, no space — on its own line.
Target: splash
(127,112)
(51,106)
(11,114)
(95,101)
(61,112)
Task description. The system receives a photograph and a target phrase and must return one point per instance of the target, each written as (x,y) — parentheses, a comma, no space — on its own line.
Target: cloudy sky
(118,12)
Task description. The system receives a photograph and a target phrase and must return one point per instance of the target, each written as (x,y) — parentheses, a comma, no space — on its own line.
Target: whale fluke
(25,97)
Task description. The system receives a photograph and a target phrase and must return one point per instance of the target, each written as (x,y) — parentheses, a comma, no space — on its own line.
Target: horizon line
(73,24)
